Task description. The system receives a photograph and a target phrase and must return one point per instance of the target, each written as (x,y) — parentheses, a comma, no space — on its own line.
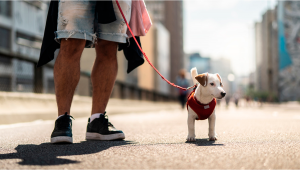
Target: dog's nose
(223,94)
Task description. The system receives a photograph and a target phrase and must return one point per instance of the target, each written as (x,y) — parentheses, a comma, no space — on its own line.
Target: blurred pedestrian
(247,98)
(236,99)
(227,100)
(183,82)
(218,102)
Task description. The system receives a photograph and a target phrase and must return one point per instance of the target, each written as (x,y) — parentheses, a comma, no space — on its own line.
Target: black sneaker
(63,130)
(101,129)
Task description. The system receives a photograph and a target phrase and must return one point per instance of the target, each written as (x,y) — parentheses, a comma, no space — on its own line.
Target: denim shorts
(77,19)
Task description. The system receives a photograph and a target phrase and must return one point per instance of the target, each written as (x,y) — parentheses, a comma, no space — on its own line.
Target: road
(248,137)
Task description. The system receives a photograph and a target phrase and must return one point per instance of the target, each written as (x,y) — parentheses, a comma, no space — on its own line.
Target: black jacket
(106,15)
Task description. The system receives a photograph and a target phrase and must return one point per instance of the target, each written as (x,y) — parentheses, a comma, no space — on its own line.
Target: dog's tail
(194,73)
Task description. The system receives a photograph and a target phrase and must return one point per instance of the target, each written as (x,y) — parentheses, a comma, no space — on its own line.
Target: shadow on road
(205,142)
(47,153)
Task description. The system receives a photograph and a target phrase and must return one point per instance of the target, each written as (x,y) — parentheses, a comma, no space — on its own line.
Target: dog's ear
(219,77)
(202,79)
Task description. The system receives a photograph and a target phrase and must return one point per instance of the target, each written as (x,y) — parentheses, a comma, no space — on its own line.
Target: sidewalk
(291,105)
(26,107)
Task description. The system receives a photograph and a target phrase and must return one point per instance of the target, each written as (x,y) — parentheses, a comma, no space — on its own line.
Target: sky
(224,29)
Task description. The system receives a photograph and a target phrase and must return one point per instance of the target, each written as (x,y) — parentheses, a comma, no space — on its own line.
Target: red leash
(172,84)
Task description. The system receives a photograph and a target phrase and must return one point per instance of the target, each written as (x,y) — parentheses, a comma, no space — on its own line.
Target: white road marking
(36,122)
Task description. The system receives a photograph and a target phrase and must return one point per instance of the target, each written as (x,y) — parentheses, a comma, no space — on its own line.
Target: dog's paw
(213,138)
(191,138)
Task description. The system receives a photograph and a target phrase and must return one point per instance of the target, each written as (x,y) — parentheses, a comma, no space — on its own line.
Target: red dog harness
(203,110)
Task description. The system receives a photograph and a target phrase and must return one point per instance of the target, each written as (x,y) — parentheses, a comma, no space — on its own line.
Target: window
(5,83)
(5,8)
(5,38)
(50,88)
(5,60)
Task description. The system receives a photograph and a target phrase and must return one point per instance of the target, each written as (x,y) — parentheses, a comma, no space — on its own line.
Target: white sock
(59,116)
(94,116)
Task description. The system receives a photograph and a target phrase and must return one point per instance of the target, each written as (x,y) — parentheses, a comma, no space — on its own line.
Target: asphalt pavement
(248,138)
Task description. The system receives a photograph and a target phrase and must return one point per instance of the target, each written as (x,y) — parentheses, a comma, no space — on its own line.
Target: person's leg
(184,98)
(67,72)
(66,76)
(103,78)
(103,74)
(181,100)
(106,67)
(75,30)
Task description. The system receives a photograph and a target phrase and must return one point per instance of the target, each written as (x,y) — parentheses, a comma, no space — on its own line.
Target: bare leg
(104,74)
(211,130)
(67,72)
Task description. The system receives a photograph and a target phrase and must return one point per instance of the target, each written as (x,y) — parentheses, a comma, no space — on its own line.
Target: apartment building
(21,30)
(289,50)
(266,50)
(170,14)
(277,39)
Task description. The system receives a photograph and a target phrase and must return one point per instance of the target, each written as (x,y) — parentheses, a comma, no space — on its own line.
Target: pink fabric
(140,21)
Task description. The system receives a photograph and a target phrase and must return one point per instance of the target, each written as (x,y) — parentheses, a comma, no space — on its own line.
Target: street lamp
(231,77)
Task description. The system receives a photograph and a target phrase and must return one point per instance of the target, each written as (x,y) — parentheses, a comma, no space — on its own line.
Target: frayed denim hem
(77,34)
(115,37)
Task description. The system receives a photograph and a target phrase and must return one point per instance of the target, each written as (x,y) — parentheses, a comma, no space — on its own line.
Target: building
(157,10)
(266,53)
(278,52)
(201,63)
(258,56)
(289,50)
(174,23)
(170,14)
(157,47)
(21,31)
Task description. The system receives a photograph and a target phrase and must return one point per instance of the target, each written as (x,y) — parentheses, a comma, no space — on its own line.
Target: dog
(202,101)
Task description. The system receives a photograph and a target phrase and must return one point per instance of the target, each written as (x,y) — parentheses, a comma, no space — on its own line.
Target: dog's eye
(212,84)
(221,84)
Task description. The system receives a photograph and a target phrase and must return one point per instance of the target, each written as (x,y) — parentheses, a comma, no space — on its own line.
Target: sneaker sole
(97,136)
(62,139)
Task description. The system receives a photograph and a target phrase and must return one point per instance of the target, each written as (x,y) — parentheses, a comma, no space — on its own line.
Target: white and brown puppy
(201,104)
